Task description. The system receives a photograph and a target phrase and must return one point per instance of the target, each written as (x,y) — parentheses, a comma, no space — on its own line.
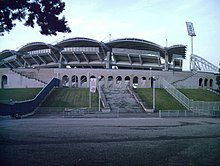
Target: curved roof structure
(138,44)
(176,49)
(78,41)
(7,53)
(85,52)
(35,46)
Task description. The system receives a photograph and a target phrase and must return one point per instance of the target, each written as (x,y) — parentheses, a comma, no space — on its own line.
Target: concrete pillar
(166,67)
(79,81)
(106,81)
(107,63)
(131,80)
(70,81)
(139,81)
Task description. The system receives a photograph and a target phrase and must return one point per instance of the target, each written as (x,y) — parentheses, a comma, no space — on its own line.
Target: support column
(166,67)
(107,63)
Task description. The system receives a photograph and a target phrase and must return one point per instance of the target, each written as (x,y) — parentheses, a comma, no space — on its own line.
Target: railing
(105,104)
(186,113)
(202,107)
(138,99)
(176,94)
(27,107)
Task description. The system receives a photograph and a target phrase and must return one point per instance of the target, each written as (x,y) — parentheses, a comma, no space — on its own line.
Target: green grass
(164,101)
(200,95)
(18,94)
(70,97)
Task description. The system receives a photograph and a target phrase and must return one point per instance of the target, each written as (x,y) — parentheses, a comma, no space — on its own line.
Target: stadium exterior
(120,62)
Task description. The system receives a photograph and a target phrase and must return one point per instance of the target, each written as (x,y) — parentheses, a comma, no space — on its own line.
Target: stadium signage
(92,85)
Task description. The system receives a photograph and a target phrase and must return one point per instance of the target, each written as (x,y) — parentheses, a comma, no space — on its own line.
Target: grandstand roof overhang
(36,46)
(176,49)
(78,42)
(8,53)
(139,44)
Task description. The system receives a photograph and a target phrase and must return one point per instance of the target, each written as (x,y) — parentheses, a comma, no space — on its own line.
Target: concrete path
(112,141)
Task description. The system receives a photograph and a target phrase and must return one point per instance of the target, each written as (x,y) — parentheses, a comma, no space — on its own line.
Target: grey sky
(153,20)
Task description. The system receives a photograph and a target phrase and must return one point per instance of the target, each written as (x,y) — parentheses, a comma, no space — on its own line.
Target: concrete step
(121,100)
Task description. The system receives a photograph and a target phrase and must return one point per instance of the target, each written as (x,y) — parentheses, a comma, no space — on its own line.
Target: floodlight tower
(191,33)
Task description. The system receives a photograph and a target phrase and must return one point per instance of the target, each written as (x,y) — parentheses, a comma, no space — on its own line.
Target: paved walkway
(110,141)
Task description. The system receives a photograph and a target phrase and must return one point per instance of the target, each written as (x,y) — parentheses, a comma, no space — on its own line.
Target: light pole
(150,78)
(191,32)
(99,79)
(154,97)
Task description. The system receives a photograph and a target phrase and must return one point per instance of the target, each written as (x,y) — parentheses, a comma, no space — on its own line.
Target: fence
(186,113)
(201,107)
(28,106)
(62,112)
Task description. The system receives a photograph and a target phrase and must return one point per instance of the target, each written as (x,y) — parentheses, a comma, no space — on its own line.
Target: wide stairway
(120,100)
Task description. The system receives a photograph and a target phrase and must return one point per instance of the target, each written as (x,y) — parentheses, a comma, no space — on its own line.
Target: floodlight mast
(191,33)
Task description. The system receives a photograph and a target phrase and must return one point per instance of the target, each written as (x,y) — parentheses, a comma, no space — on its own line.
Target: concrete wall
(15,80)
(184,79)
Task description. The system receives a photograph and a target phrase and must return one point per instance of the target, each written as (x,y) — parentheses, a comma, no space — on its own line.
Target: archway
(74,81)
(211,83)
(127,81)
(135,82)
(65,81)
(110,81)
(83,81)
(143,82)
(4,81)
(205,82)
(151,81)
(102,80)
(200,82)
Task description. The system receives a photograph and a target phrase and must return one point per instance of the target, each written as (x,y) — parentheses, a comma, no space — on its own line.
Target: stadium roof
(80,51)
(36,46)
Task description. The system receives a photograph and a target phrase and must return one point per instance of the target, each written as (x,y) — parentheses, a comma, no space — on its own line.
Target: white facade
(78,77)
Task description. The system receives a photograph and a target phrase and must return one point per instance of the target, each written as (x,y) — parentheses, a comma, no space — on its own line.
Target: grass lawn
(164,101)
(70,97)
(18,94)
(200,95)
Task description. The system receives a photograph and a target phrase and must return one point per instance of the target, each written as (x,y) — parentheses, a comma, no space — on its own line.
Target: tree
(42,12)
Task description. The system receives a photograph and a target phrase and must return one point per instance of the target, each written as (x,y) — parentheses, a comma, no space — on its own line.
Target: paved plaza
(110,141)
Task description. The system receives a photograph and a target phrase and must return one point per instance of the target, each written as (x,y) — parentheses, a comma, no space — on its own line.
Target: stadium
(119,67)
(119,62)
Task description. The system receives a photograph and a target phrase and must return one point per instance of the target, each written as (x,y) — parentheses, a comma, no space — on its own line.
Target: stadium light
(191,32)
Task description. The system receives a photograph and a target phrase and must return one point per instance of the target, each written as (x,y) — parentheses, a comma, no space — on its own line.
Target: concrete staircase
(28,77)
(120,100)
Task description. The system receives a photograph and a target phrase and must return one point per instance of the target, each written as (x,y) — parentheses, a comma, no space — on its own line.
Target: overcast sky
(152,20)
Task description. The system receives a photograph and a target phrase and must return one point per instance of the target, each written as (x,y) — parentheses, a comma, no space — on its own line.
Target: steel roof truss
(41,59)
(113,56)
(76,57)
(34,59)
(141,61)
(29,64)
(53,59)
(10,64)
(19,63)
(84,55)
(7,66)
(63,57)
(99,56)
(54,55)
(129,58)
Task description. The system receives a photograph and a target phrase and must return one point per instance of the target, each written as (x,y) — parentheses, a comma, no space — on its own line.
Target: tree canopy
(45,13)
